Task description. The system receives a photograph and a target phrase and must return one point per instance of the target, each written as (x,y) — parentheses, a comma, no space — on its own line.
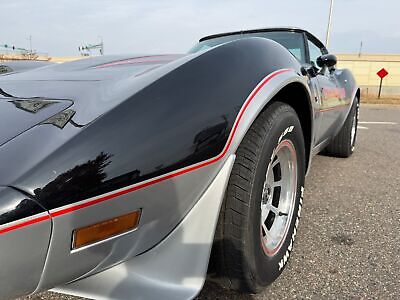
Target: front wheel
(262,205)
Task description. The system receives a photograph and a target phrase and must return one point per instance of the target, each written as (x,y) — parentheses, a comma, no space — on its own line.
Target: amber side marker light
(105,229)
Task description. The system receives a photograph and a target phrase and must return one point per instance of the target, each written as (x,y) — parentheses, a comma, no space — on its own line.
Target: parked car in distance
(21,65)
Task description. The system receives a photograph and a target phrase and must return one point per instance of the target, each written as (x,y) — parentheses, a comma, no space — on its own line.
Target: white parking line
(379,123)
(361,127)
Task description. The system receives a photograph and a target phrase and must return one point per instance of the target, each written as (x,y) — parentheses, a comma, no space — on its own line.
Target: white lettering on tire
(285,258)
(287,130)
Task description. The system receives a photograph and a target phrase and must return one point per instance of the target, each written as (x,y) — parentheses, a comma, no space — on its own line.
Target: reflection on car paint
(32,106)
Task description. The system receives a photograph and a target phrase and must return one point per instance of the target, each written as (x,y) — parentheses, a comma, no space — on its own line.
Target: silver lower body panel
(175,268)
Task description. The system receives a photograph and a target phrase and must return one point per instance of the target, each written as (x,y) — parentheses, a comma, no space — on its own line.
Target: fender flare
(263,95)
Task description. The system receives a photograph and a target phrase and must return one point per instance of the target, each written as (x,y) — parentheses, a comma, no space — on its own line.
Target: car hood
(18,115)
(22,66)
(94,85)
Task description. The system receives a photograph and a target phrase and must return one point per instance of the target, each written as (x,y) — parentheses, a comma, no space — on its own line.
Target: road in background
(348,243)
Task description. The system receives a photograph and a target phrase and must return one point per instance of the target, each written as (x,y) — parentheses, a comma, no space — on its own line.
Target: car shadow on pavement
(212,290)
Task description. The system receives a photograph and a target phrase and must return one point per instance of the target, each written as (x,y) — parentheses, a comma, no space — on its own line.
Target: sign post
(382,73)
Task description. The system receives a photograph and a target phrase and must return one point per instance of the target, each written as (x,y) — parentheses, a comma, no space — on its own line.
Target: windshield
(293,41)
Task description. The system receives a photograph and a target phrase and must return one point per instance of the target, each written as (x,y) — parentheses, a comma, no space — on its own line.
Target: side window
(315,52)
(293,41)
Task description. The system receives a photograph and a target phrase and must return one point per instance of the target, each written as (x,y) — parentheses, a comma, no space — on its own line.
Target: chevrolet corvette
(136,177)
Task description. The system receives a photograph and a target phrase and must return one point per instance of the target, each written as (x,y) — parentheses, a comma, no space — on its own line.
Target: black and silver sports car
(121,176)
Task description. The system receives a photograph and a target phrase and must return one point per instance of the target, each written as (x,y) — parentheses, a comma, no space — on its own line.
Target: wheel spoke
(266,231)
(272,208)
(268,235)
(276,183)
(274,163)
(264,214)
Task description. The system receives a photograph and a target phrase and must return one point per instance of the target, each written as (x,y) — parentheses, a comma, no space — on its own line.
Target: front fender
(25,229)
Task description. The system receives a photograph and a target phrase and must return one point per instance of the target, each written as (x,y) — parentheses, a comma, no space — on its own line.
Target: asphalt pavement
(348,242)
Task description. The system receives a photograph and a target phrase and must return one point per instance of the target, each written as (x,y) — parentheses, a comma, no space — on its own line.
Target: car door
(328,94)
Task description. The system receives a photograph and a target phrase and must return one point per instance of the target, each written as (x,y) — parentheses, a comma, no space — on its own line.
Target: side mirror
(328,60)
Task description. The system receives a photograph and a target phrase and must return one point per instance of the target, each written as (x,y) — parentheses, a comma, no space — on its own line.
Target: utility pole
(328,32)
(30,44)
(359,53)
(101,45)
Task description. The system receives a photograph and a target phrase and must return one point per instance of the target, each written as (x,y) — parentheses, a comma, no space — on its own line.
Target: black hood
(95,85)
(18,115)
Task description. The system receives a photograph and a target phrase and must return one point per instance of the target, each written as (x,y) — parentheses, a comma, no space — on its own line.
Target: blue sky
(173,26)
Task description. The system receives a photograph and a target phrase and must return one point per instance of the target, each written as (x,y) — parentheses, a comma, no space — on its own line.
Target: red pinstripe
(161,178)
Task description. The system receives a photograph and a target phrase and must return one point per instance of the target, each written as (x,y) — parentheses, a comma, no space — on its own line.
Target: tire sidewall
(355,110)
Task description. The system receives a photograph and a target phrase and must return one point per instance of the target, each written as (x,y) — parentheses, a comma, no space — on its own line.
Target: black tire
(238,256)
(343,144)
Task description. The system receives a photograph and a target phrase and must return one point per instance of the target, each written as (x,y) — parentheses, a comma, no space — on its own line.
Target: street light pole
(328,32)
(101,45)
(30,44)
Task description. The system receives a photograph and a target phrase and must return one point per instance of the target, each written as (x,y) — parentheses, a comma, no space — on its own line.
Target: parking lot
(348,244)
